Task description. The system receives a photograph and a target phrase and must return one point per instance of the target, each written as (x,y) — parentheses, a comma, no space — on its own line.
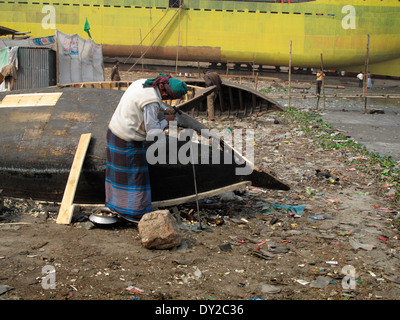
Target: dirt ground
(344,245)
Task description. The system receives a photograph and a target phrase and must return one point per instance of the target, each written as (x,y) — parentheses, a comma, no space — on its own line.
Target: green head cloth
(177,86)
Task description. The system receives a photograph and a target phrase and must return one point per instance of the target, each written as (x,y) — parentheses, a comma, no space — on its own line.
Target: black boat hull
(39,143)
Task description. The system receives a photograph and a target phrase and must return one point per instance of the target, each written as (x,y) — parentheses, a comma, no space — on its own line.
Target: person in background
(115,72)
(212,79)
(320,76)
(360,78)
(369,81)
(9,75)
(127,183)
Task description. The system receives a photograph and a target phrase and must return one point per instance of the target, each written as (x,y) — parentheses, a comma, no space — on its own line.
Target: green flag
(87,28)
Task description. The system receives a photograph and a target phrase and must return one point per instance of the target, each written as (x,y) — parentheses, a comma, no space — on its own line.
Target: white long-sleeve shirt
(137,112)
(150,112)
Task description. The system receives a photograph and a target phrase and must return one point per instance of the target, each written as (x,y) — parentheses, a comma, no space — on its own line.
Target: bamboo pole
(141,41)
(58,63)
(323,83)
(290,71)
(256,81)
(366,77)
(141,57)
(179,30)
(141,45)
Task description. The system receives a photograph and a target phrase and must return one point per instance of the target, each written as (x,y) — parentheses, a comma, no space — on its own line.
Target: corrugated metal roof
(36,68)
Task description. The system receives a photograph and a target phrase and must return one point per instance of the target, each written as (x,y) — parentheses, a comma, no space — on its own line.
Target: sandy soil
(304,258)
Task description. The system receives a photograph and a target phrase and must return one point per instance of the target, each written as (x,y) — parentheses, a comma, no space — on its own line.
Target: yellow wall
(261,33)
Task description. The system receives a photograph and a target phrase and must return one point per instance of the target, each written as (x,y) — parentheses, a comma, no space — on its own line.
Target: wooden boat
(40,131)
(234,99)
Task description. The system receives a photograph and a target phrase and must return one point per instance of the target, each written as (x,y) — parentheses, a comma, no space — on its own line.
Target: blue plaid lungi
(127,182)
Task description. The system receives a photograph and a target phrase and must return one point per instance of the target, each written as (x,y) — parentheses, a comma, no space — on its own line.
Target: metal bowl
(105,216)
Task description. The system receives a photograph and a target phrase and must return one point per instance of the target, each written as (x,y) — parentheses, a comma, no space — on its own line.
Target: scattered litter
(225,247)
(321,282)
(321,217)
(303,282)
(230,196)
(5,288)
(395,279)
(372,274)
(198,274)
(269,288)
(133,289)
(356,245)
(333,200)
(263,254)
(260,244)
(296,210)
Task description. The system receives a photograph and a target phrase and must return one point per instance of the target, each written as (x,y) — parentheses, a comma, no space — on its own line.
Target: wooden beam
(240,102)
(290,72)
(202,195)
(1,199)
(66,209)
(231,105)
(365,86)
(323,83)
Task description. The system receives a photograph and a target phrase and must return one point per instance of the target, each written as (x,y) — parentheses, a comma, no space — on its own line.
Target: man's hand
(169,118)
(169,111)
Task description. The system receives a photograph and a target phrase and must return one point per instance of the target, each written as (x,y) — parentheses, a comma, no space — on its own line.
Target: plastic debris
(303,282)
(226,247)
(320,282)
(133,289)
(198,274)
(5,288)
(263,254)
(268,288)
(356,245)
(321,217)
(395,279)
(296,210)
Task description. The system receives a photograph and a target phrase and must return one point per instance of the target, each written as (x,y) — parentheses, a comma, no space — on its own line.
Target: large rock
(159,230)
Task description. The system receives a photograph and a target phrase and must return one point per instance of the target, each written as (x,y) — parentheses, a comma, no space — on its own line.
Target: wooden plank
(231,105)
(240,102)
(202,195)
(254,103)
(66,209)
(30,100)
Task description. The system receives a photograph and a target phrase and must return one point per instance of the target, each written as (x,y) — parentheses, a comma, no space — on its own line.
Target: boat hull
(234,99)
(39,140)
